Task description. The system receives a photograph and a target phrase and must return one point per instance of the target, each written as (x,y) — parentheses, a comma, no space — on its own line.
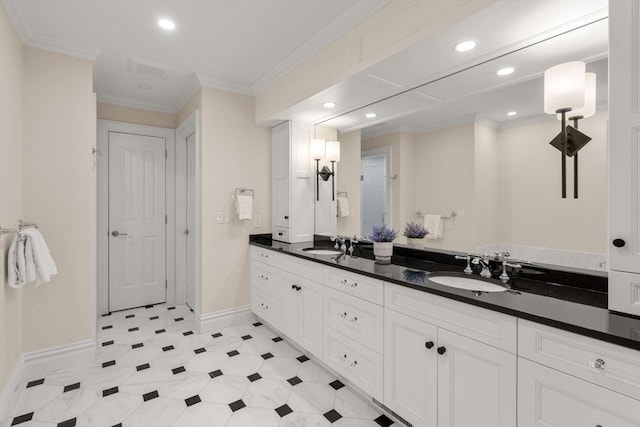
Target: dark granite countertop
(569,307)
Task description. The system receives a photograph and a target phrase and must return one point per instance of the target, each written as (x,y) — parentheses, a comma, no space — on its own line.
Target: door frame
(104,127)
(190,125)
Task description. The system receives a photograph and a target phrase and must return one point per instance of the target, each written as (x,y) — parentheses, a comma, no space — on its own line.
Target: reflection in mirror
(477,143)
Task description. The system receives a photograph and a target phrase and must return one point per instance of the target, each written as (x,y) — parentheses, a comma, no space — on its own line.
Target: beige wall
(485,182)
(120,113)
(235,153)
(59,131)
(394,27)
(10,189)
(445,174)
(349,180)
(531,210)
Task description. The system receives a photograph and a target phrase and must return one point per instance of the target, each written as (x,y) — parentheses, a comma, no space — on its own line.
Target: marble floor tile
(155,370)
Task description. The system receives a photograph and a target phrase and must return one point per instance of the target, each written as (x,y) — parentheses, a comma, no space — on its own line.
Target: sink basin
(321,251)
(472,283)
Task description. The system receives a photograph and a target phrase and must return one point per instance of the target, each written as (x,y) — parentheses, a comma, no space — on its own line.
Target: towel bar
(242,190)
(21,225)
(451,216)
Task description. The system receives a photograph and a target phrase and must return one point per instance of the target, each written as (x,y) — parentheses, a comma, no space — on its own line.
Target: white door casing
(137,244)
(190,231)
(105,128)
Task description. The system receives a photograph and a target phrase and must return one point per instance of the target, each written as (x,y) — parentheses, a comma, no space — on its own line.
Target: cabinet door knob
(286,217)
(293,287)
(442,350)
(619,243)
(429,344)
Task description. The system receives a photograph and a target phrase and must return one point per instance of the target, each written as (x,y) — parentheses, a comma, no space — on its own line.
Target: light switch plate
(459,213)
(219,217)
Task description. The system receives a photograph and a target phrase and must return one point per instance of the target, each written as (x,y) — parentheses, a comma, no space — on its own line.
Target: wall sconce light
(320,150)
(566,94)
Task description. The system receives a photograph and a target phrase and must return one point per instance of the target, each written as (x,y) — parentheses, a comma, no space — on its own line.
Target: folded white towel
(244,206)
(16,262)
(433,224)
(343,207)
(37,257)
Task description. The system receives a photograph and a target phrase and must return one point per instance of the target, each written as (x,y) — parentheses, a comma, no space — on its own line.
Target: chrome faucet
(504,277)
(484,261)
(340,243)
(467,269)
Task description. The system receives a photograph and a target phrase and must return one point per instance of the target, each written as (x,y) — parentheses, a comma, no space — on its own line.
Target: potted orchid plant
(383,238)
(415,234)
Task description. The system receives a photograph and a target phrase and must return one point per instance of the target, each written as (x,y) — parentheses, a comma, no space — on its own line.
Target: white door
(137,274)
(548,398)
(476,383)
(310,313)
(280,174)
(191,220)
(411,369)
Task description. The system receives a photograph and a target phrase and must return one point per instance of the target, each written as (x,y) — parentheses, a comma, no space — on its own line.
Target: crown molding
(186,94)
(357,13)
(132,103)
(224,84)
(22,27)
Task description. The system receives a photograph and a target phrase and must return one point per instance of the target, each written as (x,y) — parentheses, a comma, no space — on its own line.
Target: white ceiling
(238,45)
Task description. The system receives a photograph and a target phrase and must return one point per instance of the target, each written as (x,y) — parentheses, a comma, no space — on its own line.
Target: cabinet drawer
(307,269)
(579,356)
(355,318)
(354,361)
(354,284)
(264,277)
(624,292)
(280,234)
(264,306)
(264,255)
(548,398)
(496,329)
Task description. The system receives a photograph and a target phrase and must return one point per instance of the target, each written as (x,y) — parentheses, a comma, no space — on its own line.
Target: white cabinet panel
(289,310)
(624,292)
(354,361)
(265,307)
(476,383)
(357,285)
(486,326)
(410,369)
(358,319)
(605,364)
(548,398)
(265,278)
(265,256)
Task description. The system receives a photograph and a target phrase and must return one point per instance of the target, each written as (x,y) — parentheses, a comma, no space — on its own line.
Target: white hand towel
(433,224)
(244,206)
(45,267)
(15,263)
(343,207)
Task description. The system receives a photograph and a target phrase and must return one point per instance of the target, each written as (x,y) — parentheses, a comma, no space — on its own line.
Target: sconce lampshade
(333,151)
(317,149)
(564,87)
(589,108)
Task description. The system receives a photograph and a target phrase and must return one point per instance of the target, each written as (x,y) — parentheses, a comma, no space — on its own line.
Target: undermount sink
(471,283)
(321,251)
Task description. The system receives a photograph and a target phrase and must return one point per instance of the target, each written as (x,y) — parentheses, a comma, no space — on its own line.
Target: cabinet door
(410,369)
(624,136)
(476,383)
(549,398)
(288,304)
(310,315)
(280,175)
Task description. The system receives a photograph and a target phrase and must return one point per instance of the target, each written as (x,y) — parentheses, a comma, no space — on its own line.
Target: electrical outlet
(219,217)
(226,218)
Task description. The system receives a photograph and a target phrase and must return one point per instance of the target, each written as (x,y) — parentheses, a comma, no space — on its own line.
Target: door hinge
(165,284)
(166,219)
(166,154)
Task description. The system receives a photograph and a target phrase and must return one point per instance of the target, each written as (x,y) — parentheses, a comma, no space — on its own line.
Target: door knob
(429,344)
(116,233)
(618,243)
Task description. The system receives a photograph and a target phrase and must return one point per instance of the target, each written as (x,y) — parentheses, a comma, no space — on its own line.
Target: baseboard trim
(40,363)
(9,395)
(210,322)
(75,355)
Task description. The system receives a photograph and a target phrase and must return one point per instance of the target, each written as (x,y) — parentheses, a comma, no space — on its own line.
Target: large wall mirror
(473,147)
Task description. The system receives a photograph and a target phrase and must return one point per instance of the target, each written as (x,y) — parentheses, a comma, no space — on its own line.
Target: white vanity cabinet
(436,377)
(565,379)
(291,183)
(624,156)
(264,284)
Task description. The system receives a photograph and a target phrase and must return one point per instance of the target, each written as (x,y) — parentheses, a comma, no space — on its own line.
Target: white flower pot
(383,252)
(416,242)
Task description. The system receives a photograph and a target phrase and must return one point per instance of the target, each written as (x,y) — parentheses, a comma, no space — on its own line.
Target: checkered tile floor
(154,371)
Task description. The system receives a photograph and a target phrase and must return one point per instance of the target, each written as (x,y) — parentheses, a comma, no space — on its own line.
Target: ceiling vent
(147,68)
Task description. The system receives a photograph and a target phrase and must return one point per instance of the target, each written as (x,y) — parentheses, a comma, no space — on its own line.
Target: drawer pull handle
(598,364)
(266,307)
(295,287)
(345,359)
(343,315)
(354,320)
(429,345)
(442,350)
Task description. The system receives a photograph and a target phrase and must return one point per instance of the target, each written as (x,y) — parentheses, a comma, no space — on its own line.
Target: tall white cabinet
(624,156)
(291,183)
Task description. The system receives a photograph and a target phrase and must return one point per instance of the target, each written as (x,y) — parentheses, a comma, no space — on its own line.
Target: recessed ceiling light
(505,71)
(465,46)
(329,104)
(166,24)
(370,115)
(512,113)
(143,86)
